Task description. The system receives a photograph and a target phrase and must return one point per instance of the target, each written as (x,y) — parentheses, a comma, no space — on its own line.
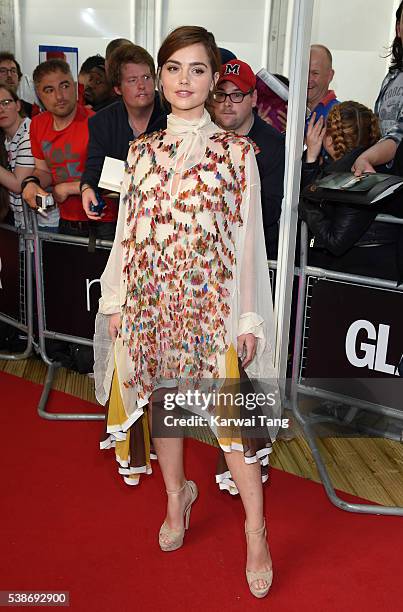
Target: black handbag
(344,187)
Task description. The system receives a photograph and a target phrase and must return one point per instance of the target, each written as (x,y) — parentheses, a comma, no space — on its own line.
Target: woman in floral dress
(186,296)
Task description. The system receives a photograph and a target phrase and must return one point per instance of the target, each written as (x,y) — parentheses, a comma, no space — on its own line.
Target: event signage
(71,287)
(355,333)
(9,273)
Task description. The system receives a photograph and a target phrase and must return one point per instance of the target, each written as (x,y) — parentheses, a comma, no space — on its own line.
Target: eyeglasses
(6,103)
(235,96)
(5,71)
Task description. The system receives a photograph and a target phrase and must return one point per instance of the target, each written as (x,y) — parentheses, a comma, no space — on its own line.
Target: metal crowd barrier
(54,293)
(16,280)
(301,387)
(63,260)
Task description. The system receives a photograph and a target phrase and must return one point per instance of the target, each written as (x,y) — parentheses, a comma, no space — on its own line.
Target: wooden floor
(371,468)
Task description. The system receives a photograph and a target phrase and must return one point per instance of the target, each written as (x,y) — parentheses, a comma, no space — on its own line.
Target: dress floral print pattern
(179,259)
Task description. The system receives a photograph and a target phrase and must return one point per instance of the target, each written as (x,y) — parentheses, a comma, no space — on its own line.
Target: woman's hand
(264,114)
(246,349)
(361,166)
(114,325)
(314,138)
(282,118)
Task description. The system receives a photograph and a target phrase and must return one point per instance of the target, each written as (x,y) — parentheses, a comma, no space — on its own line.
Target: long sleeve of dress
(110,301)
(255,298)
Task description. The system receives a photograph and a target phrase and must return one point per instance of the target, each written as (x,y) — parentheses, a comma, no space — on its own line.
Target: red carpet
(68,523)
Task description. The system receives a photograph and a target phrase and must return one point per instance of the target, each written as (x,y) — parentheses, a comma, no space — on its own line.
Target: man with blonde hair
(131,72)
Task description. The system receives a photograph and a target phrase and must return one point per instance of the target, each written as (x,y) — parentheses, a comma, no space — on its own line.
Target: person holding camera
(59,141)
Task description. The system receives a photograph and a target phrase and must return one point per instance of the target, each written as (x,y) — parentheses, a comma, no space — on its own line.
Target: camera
(43,202)
(99,206)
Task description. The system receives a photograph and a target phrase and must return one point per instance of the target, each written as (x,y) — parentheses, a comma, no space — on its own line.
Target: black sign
(71,287)
(355,341)
(9,274)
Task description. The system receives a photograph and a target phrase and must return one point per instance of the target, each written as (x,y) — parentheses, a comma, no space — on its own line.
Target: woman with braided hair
(346,237)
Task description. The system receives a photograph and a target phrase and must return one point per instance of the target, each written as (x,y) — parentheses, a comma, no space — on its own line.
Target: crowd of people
(185,293)
(63,150)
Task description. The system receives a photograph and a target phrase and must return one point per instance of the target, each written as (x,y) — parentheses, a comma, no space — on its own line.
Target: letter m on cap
(232,69)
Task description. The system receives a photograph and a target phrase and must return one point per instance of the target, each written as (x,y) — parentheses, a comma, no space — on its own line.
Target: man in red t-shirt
(59,141)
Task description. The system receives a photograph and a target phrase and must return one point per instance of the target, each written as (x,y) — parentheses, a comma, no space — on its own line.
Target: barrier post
(43,333)
(26,291)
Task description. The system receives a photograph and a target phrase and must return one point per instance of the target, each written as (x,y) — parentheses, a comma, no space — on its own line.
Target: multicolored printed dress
(188,275)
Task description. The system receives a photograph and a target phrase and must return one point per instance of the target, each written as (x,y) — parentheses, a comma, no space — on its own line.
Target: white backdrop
(356,31)
(237,25)
(72,24)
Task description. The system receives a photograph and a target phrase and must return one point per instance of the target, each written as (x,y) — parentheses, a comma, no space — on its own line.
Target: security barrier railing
(65,275)
(16,284)
(325,358)
(67,291)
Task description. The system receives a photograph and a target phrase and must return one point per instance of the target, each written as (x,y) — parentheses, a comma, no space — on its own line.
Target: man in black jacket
(131,71)
(234,103)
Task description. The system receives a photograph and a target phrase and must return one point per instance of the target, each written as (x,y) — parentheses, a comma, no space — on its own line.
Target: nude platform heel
(252,577)
(176,536)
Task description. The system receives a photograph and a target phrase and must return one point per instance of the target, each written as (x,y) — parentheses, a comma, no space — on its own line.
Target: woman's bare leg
(170,458)
(247,478)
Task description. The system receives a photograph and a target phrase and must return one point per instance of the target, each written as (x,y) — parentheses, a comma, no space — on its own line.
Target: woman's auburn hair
(352,125)
(182,37)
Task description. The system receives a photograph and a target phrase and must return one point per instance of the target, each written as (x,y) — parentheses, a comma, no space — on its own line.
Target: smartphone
(99,206)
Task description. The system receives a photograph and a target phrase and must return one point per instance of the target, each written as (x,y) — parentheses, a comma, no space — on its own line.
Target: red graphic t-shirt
(65,153)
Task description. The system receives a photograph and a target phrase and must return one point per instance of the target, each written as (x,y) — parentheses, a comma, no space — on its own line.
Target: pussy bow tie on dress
(195,134)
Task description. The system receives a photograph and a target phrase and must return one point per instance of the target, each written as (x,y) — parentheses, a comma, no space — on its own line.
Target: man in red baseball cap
(235,97)
(234,103)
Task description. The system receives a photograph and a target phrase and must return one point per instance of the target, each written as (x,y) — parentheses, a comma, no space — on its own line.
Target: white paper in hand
(112,174)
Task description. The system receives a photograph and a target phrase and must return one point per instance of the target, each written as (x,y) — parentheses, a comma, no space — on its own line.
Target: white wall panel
(7,42)
(237,25)
(360,79)
(357,32)
(72,24)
